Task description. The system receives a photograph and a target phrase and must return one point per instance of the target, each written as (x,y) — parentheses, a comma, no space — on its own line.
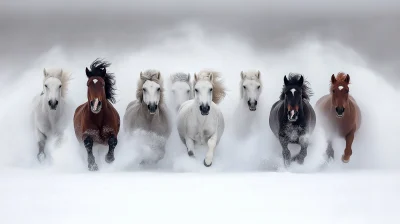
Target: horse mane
(62,75)
(249,75)
(219,91)
(149,75)
(180,77)
(293,79)
(340,78)
(99,68)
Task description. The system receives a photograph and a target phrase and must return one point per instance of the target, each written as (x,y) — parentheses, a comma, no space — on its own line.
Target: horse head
(96,89)
(181,88)
(293,97)
(204,92)
(250,88)
(52,88)
(340,93)
(150,91)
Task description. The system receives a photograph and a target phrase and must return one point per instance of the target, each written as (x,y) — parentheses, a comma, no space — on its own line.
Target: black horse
(292,119)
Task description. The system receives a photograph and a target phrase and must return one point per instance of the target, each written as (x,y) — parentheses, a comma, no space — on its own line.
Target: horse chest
(293,132)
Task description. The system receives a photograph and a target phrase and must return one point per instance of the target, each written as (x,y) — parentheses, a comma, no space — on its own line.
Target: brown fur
(346,126)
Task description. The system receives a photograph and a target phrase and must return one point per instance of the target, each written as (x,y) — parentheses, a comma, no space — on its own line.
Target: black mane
(293,79)
(99,68)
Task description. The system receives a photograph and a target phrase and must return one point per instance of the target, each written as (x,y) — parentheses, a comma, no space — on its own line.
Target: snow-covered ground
(246,183)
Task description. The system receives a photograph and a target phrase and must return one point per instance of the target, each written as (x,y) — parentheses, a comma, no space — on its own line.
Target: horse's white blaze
(151,93)
(291,114)
(293,90)
(96,103)
(340,87)
(95,81)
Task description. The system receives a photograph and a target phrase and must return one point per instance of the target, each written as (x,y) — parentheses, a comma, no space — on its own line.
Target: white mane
(249,75)
(60,74)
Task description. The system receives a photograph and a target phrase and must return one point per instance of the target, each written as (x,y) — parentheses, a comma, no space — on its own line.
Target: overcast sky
(370,27)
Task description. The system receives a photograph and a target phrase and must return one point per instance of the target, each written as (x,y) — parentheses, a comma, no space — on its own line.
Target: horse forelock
(180,77)
(149,75)
(60,74)
(340,80)
(99,68)
(219,91)
(293,78)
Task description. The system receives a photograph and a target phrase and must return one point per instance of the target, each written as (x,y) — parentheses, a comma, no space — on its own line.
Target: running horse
(97,121)
(340,114)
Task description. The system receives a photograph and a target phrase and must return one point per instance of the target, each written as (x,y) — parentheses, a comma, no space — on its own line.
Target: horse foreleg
(285,151)
(348,151)
(189,146)
(303,151)
(212,142)
(112,143)
(88,142)
(41,156)
(329,151)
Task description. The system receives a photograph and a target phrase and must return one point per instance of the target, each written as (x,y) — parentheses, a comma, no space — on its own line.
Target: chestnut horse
(97,121)
(340,114)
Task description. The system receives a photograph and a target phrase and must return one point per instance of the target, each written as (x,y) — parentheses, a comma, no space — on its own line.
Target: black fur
(306,120)
(99,68)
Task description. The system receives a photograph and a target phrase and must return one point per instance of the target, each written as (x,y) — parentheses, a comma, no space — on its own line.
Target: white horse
(250,91)
(181,89)
(200,120)
(149,112)
(49,108)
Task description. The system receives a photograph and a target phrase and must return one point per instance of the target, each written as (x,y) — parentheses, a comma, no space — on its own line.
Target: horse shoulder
(165,114)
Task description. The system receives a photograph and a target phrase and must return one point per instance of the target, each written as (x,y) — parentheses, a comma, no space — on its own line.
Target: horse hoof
(190,153)
(110,158)
(344,160)
(93,167)
(207,164)
(41,157)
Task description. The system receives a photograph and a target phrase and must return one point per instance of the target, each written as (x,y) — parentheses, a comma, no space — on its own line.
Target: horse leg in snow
(112,143)
(212,142)
(285,150)
(303,151)
(41,156)
(189,146)
(329,151)
(348,152)
(89,148)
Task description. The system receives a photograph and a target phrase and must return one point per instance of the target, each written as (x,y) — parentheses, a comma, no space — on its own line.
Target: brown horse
(97,121)
(340,114)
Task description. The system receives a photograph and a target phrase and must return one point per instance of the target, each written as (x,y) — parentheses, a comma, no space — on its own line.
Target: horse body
(200,120)
(340,114)
(97,121)
(292,119)
(149,112)
(49,113)
(181,89)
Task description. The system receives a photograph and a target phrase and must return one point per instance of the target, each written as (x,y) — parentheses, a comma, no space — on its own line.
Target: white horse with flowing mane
(149,112)
(250,91)
(181,89)
(200,120)
(49,108)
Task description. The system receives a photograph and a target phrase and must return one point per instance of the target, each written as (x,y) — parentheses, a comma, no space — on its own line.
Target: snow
(246,183)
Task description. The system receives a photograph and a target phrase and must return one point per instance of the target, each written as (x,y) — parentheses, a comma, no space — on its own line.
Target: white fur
(293,90)
(47,122)
(193,127)
(340,87)
(181,89)
(151,92)
(95,81)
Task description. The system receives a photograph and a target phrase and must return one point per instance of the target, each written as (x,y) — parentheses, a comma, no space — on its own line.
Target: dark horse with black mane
(97,121)
(292,119)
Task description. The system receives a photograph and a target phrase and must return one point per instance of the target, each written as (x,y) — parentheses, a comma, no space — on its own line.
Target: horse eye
(59,87)
(196,90)
(258,87)
(333,91)
(211,90)
(347,91)
(244,87)
(187,91)
(46,86)
(144,90)
(158,89)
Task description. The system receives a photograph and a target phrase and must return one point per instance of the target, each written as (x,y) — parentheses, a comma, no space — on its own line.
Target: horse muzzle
(95,106)
(152,108)
(339,112)
(53,104)
(252,105)
(293,115)
(204,109)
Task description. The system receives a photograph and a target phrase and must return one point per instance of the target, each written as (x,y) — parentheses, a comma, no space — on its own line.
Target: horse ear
(141,75)
(242,74)
(258,74)
(286,81)
(347,79)
(211,76)
(333,79)
(45,72)
(61,72)
(301,81)
(195,77)
(188,78)
(158,75)
(88,73)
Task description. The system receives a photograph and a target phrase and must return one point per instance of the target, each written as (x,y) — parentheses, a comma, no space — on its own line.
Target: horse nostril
(255,102)
(248,103)
(155,107)
(49,103)
(56,102)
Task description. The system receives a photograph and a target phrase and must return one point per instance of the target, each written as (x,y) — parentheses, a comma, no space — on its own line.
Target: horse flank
(149,75)
(219,91)
(99,68)
(62,75)
(306,89)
